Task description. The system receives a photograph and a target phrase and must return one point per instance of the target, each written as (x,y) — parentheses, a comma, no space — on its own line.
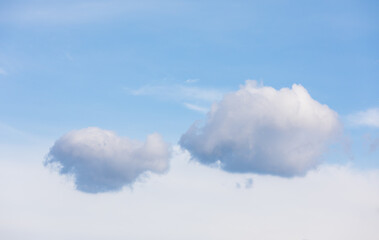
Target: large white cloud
(259,129)
(101,161)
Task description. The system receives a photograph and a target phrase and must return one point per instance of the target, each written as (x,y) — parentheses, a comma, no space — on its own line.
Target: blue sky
(139,67)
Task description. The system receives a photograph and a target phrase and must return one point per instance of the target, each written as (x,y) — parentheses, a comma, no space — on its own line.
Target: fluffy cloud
(259,129)
(101,161)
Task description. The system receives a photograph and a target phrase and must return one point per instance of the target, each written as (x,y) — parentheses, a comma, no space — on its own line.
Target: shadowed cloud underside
(101,161)
(260,129)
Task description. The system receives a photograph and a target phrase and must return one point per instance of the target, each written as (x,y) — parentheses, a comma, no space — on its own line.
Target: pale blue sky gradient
(73,64)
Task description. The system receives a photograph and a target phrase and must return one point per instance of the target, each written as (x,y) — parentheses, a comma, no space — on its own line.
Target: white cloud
(101,161)
(193,98)
(196,107)
(370,118)
(259,129)
(178,92)
(332,202)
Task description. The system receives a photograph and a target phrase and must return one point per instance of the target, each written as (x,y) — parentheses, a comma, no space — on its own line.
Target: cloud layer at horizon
(262,130)
(332,202)
(101,161)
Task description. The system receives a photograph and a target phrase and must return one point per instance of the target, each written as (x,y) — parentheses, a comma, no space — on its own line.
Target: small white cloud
(101,161)
(196,108)
(259,129)
(178,92)
(193,98)
(369,118)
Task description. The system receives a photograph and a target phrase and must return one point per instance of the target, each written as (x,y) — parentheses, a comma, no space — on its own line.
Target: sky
(189,119)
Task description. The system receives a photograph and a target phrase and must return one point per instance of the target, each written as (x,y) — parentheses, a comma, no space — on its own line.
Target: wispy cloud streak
(369,117)
(178,92)
(196,108)
(192,97)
